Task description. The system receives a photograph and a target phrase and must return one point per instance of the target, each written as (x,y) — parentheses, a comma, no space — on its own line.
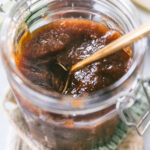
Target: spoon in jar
(115,46)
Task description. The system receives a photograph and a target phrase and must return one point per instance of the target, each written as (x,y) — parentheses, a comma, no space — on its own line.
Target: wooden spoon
(119,44)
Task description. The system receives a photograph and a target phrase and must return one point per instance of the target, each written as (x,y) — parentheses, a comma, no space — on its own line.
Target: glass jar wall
(57,121)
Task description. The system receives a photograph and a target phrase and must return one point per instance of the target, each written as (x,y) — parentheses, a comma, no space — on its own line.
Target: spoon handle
(122,42)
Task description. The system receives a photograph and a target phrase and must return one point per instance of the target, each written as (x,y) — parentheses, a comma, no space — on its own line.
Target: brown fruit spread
(42,58)
(48,51)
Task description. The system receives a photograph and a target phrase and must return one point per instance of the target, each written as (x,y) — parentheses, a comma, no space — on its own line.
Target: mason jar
(63,122)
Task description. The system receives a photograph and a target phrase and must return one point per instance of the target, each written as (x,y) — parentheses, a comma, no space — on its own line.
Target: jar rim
(50,102)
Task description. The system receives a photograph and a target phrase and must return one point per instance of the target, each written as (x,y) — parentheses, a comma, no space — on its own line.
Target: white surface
(4,125)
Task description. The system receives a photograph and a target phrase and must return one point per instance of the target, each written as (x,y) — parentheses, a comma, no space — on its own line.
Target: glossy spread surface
(44,55)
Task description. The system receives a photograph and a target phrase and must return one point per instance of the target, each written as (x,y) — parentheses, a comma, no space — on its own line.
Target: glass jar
(63,122)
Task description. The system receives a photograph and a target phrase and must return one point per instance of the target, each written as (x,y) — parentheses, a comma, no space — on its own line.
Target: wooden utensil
(119,44)
(122,42)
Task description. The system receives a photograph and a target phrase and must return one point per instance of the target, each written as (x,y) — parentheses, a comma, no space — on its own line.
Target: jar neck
(28,15)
